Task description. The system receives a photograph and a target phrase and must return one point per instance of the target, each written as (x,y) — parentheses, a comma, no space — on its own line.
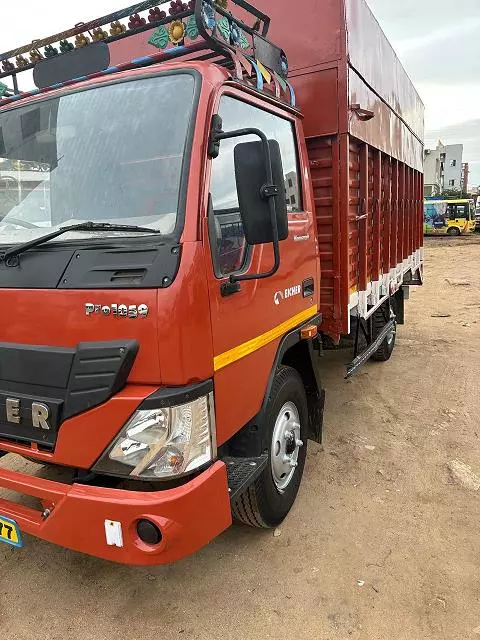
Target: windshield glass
(109,154)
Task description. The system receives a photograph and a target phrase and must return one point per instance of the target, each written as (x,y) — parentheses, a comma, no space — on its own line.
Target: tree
(454,194)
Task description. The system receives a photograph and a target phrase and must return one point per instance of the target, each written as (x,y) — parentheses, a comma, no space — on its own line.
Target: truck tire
(453,231)
(385,351)
(267,502)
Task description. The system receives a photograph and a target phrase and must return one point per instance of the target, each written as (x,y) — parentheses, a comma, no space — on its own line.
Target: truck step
(361,359)
(242,472)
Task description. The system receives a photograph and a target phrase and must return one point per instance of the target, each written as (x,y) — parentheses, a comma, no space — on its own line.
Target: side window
(228,237)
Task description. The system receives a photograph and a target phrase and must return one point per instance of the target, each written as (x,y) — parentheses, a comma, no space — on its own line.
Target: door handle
(308,287)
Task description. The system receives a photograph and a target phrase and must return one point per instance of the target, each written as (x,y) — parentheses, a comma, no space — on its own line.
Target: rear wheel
(453,231)
(379,321)
(267,502)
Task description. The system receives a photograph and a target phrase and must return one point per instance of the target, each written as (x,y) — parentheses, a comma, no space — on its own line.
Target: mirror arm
(269,190)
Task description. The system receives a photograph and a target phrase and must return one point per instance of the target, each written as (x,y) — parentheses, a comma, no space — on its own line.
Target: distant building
(291,187)
(444,168)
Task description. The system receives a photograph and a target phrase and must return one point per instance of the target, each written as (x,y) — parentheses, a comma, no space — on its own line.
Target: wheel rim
(286,445)
(391,335)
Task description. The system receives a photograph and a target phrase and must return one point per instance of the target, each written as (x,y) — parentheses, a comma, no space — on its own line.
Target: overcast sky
(437,40)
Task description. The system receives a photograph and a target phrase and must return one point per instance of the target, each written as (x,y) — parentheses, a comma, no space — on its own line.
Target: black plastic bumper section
(242,472)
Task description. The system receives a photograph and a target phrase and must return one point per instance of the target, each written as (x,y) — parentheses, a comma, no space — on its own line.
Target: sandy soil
(381,544)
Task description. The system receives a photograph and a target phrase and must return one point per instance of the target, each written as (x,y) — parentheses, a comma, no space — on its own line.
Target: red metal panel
(352,189)
(408,209)
(363,220)
(370,210)
(320,116)
(377,216)
(395,209)
(311,36)
(323,155)
(385,130)
(419,215)
(401,211)
(349,194)
(373,58)
(386,208)
(413,208)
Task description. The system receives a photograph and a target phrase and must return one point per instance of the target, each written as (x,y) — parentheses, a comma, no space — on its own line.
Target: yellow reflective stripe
(245,349)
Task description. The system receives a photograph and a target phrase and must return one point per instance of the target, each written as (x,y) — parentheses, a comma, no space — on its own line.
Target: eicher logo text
(287,293)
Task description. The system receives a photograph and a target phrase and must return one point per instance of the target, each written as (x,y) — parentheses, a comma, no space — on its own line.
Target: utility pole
(464,179)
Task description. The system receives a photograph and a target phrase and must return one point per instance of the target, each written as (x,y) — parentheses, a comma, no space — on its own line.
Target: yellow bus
(451,217)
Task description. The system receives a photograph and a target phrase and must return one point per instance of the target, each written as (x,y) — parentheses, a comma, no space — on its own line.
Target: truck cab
(165,273)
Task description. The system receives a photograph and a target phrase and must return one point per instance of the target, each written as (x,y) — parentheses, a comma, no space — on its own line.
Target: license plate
(9,532)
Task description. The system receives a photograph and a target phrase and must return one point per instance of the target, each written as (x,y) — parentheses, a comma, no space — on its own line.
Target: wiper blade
(83,226)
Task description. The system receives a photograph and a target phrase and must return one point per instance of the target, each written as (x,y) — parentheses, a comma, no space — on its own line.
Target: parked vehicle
(477,218)
(451,217)
(213,221)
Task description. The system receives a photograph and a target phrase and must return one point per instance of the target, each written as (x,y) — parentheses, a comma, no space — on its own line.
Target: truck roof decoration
(199,29)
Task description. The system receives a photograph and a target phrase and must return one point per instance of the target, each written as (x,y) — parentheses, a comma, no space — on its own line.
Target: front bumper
(74,516)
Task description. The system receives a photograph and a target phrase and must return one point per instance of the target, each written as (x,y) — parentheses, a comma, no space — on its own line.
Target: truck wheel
(385,351)
(453,231)
(266,503)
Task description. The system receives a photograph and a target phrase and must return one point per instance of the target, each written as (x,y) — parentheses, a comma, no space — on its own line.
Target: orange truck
(207,195)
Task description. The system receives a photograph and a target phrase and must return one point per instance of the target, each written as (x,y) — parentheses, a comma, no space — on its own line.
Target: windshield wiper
(83,226)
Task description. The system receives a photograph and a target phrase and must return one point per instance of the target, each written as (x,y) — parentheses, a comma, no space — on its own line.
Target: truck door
(248,325)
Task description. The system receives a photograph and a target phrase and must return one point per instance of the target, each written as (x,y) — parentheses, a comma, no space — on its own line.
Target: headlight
(163,443)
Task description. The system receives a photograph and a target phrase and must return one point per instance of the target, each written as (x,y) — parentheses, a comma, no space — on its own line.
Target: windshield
(109,154)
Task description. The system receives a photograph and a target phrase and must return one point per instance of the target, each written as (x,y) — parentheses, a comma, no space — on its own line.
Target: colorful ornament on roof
(50,52)
(177,6)
(159,38)
(176,32)
(156,14)
(35,56)
(191,28)
(81,41)
(21,62)
(66,46)
(232,33)
(209,16)
(117,28)
(8,66)
(136,21)
(99,34)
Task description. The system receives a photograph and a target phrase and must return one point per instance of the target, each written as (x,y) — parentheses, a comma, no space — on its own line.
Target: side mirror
(253,194)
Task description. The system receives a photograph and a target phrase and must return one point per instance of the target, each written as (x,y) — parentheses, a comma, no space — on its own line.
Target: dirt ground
(381,544)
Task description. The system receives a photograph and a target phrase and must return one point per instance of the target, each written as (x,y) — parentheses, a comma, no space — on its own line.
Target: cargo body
(182,233)
(364,128)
